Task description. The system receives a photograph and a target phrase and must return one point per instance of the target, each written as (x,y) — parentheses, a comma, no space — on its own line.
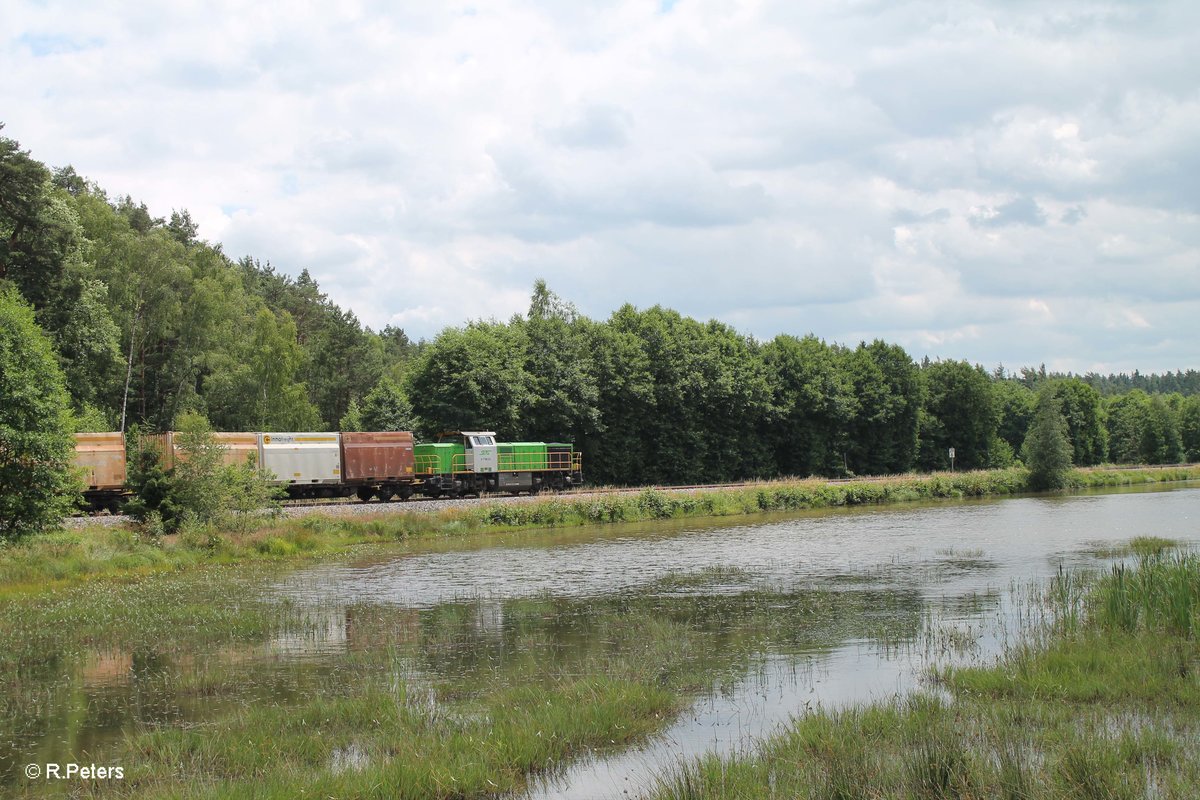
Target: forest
(147,321)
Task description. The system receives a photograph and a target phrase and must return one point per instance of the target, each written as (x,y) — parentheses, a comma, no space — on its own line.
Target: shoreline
(66,557)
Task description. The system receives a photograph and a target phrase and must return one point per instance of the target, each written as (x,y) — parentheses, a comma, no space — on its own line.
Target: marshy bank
(58,559)
(578,663)
(1101,699)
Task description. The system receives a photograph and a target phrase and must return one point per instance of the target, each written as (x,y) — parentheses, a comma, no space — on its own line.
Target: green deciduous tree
(618,454)
(42,253)
(737,399)
(23,244)
(385,408)
(1047,448)
(261,392)
(202,490)
(352,419)
(196,492)
(36,482)
(89,347)
(1126,418)
(686,402)
(1143,429)
(888,393)
(343,362)
(1189,427)
(1015,403)
(1161,442)
(813,405)
(563,396)
(960,412)
(472,378)
(280,402)
(1083,409)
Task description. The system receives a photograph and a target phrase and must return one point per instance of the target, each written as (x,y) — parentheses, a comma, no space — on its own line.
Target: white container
(301,458)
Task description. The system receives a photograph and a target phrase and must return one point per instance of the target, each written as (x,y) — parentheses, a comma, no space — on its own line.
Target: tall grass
(1159,595)
(1101,477)
(652,504)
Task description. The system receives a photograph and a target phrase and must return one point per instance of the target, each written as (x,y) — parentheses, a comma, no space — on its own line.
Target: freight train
(368,465)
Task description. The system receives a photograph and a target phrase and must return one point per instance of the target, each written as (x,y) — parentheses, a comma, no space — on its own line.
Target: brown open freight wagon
(101,457)
(378,463)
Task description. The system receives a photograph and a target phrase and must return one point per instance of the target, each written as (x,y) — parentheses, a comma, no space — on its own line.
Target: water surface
(923,584)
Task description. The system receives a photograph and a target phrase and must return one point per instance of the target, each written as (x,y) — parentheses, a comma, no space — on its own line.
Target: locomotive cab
(461,462)
(481,451)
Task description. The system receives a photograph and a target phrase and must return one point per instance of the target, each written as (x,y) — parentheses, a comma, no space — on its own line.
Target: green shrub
(202,487)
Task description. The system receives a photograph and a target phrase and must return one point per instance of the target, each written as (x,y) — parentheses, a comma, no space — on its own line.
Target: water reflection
(943,546)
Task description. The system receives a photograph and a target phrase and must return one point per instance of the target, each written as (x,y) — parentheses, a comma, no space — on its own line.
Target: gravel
(107,520)
(423,505)
(335,508)
(327,508)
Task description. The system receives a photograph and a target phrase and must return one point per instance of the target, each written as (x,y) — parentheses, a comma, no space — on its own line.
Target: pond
(753,623)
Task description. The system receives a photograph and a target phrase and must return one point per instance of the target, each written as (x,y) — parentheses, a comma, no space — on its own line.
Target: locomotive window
(482,441)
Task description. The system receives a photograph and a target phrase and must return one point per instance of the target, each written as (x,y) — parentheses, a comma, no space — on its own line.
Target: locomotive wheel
(366,493)
(385,495)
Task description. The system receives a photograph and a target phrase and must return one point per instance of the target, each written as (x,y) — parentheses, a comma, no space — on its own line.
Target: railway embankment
(116,547)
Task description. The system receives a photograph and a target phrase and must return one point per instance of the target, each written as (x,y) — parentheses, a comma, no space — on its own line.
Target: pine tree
(1047,448)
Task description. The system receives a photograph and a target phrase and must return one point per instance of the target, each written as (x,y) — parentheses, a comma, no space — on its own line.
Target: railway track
(346,505)
(341,501)
(428,503)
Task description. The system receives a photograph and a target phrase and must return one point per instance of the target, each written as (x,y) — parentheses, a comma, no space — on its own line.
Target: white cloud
(917,172)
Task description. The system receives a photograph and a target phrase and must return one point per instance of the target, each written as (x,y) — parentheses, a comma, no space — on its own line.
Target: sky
(1012,183)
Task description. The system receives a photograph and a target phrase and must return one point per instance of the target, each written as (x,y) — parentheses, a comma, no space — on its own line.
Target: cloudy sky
(1012,182)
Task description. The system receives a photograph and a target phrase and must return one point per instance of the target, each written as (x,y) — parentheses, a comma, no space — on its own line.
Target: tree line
(1185,382)
(653,396)
(148,321)
(143,322)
